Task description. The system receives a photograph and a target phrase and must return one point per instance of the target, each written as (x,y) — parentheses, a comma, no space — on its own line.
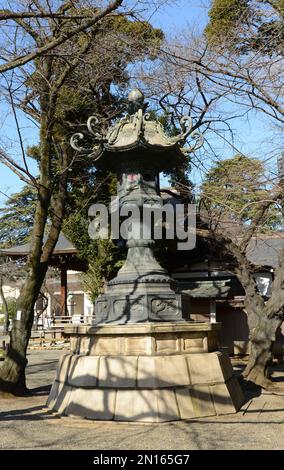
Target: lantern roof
(137,131)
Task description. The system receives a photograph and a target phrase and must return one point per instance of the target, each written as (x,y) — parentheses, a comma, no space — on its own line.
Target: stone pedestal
(150,372)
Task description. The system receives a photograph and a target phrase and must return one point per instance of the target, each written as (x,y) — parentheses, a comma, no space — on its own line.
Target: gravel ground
(27,424)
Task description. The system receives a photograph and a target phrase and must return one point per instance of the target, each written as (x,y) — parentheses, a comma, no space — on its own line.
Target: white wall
(264,283)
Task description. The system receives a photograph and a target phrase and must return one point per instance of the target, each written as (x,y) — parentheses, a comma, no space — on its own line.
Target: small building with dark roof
(64,258)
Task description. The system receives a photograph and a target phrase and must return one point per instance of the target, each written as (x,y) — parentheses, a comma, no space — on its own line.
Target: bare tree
(217,86)
(33,15)
(264,316)
(46,78)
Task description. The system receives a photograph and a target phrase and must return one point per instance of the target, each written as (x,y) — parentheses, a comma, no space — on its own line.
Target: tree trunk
(261,342)
(257,369)
(264,318)
(12,372)
(5,306)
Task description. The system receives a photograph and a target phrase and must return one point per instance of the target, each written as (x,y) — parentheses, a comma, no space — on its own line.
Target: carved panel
(165,307)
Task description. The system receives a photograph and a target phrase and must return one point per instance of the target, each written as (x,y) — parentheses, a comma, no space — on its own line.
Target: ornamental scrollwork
(135,130)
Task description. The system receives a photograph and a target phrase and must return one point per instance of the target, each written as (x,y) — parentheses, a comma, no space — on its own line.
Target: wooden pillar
(212,311)
(63,291)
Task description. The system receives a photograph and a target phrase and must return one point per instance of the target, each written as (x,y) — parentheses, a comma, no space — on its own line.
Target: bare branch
(55,42)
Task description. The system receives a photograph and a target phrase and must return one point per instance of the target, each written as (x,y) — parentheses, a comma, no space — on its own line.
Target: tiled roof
(63,246)
(264,251)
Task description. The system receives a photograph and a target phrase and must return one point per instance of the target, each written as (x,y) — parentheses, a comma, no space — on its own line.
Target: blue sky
(9,182)
(181,13)
(252,137)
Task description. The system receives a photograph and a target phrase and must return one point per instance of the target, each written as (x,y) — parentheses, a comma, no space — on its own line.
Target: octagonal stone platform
(145,372)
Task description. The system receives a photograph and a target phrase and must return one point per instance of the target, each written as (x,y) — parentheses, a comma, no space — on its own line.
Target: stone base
(154,386)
